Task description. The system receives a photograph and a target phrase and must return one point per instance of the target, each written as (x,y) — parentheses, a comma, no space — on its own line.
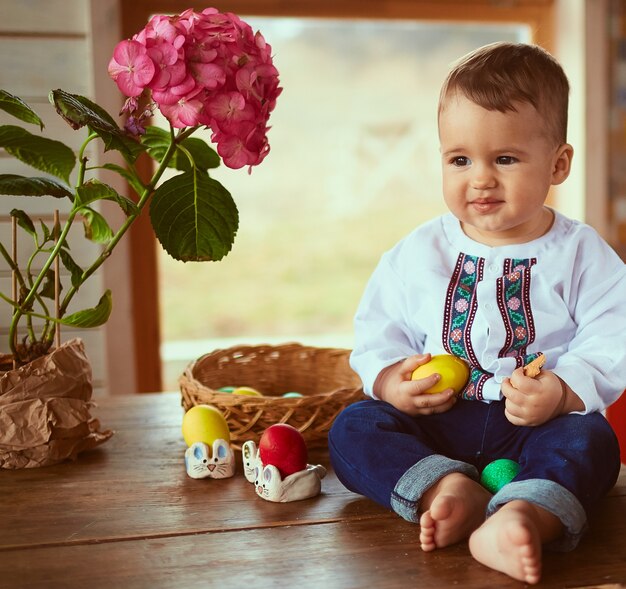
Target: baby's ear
(562,163)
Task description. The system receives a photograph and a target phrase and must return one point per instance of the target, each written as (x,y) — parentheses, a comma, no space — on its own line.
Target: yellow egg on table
(204,423)
(454,373)
(247,391)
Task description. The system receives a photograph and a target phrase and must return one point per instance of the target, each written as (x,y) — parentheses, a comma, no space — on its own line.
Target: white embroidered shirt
(438,291)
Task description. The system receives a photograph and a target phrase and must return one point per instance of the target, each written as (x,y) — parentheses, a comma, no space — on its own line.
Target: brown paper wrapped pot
(45,409)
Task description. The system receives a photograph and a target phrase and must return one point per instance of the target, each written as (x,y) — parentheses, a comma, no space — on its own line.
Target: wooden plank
(126,515)
(379,552)
(44,16)
(138,477)
(31,69)
(93,496)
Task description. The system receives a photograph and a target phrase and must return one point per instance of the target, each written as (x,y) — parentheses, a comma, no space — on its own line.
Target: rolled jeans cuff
(408,491)
(553,498)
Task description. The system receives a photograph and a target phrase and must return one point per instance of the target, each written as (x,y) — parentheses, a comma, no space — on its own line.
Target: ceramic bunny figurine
(300,485)
(201,463)
(251,459)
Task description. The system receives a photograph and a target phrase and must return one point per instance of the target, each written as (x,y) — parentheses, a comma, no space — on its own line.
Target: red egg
(283,446)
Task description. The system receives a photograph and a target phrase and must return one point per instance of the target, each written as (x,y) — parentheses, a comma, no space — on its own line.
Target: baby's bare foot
(455,508)
(510,542)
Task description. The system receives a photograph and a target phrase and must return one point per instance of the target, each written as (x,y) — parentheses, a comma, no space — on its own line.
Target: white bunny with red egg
(279,466)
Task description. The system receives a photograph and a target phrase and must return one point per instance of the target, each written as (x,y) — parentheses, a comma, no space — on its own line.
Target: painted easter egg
(283,446)
(204,423)
(454,373)
(499,473)
(249,391)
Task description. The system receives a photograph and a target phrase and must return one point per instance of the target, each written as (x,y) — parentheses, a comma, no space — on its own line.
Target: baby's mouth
(485,205)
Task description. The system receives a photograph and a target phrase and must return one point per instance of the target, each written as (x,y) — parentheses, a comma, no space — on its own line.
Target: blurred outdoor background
(354,166)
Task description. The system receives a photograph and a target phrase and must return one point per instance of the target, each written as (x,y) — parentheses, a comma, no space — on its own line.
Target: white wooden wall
(44,45)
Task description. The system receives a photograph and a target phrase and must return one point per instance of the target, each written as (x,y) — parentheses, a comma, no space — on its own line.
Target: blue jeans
(567,464)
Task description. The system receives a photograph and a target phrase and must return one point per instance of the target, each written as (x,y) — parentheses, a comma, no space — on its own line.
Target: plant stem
(143,199)
(19,311)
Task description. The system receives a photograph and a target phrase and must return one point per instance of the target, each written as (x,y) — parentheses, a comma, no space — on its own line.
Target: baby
(497,281)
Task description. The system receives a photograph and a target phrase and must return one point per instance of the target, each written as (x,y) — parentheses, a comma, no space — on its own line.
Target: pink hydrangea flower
(131,67)
(203,68)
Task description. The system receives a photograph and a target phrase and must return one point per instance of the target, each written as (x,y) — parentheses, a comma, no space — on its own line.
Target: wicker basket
(322,375)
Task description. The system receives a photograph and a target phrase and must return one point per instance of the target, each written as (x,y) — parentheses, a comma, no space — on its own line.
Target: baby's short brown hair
(498,75)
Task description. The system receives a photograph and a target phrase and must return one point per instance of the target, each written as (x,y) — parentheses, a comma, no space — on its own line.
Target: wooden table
(126,515)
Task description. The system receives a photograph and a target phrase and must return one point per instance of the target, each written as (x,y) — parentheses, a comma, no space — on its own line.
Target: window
(354,166)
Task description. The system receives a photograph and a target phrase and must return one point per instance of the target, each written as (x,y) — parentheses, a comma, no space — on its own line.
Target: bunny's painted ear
(220,449)
(223,460)
(250,455)
(249,451)
(200,451)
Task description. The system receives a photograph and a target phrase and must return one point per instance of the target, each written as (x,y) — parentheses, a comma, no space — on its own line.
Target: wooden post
(14,275)
(57,290)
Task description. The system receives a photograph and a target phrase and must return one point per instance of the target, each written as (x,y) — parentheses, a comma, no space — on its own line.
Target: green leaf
(46,232)
(194,217)
(39,152)
(72,267)
(16,107)
(96,227)
(47,288)
(205,157)
(15,185)
(79,111)
(135,182)
(94,190)
(93,317)
(24,221)
(158,140)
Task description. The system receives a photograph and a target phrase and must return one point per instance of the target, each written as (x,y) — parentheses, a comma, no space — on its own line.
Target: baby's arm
(395,386)
(533,401)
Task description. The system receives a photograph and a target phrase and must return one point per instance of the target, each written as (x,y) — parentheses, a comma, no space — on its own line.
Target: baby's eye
(506,160)
(460,161)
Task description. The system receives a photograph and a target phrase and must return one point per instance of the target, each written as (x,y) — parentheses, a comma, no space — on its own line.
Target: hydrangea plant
(200,70)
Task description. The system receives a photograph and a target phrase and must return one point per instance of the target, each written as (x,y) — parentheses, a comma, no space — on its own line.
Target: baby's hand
(395,386)
(533,401)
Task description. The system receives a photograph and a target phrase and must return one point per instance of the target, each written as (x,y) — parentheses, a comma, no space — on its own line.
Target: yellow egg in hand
(454,373)
(204,423)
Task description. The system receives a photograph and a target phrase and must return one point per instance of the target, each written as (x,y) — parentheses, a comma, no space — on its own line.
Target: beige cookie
(533,368)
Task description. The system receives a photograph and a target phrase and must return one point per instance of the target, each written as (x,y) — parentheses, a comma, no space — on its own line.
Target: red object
(283,446)
(616,414)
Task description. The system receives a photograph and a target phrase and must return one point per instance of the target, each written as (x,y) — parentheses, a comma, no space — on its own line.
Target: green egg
(226,389)
(499,473)
(292,394)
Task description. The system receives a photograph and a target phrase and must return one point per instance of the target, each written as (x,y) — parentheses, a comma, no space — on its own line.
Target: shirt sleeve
(594,364)
(383,335)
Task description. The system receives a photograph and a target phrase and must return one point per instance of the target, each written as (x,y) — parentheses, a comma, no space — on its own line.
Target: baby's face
(497,170)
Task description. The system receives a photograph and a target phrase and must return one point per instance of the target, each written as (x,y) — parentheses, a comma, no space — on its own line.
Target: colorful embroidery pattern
(474,388)
(461,306)
(513,296)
